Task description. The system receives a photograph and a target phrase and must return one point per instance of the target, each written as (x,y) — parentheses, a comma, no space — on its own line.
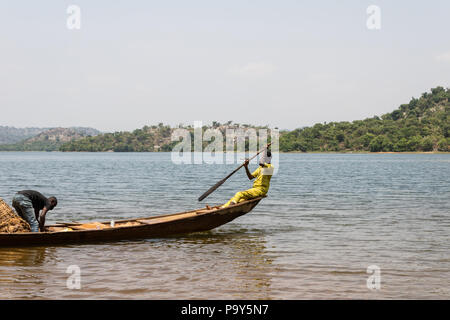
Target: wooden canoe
(152,227)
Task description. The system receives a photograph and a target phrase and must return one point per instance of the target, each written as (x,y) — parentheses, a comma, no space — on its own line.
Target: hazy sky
(282,63)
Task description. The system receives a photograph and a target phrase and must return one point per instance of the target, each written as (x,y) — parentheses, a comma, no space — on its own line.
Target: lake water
(328,217)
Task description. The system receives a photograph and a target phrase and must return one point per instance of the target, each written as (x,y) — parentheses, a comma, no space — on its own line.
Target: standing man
(28,204)
(262,183)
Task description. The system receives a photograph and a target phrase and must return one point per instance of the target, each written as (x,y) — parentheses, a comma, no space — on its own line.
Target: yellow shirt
(263,176)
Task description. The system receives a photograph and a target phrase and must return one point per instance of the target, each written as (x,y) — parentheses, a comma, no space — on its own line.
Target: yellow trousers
(245,195)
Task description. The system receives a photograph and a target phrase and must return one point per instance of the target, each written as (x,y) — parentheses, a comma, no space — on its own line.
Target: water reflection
(243,266)
(22,256)
(21,271)
(210,265)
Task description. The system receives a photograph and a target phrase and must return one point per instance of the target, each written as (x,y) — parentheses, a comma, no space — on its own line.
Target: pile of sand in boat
(10,221)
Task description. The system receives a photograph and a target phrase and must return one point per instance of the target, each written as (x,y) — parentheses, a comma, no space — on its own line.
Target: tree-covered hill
(139,140)
(147,139)
(50,140)
(421,125)
(10,135)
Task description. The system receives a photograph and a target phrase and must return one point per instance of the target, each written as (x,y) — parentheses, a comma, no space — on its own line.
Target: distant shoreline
(282,152)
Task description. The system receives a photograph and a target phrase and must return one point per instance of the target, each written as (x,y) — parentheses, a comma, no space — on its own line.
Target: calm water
(327,218)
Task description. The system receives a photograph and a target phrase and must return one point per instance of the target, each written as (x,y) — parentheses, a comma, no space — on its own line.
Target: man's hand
(42,219)
(249,175)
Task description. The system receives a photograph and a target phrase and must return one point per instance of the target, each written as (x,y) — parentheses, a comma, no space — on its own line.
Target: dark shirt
(38,200)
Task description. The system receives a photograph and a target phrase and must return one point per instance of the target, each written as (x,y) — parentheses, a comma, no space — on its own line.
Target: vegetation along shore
(422,125)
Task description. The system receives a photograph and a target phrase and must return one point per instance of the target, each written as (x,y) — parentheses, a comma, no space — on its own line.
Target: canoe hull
(196,222)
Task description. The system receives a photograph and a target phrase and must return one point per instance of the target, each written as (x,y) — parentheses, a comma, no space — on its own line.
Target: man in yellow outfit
(262,183)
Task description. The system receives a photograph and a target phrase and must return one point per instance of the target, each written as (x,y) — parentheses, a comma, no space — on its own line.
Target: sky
(285,64)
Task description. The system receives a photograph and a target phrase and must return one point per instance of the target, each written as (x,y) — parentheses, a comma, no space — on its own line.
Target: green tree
(443,145)
(427,144)
(414,143)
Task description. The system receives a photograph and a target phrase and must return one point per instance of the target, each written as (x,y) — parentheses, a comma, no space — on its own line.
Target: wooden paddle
(218,184)
(68,223)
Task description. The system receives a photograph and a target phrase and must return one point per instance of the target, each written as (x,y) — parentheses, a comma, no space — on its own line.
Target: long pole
(218,184)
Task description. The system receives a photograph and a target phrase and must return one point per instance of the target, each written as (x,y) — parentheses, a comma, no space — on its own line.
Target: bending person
(29,203)
(262,183)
